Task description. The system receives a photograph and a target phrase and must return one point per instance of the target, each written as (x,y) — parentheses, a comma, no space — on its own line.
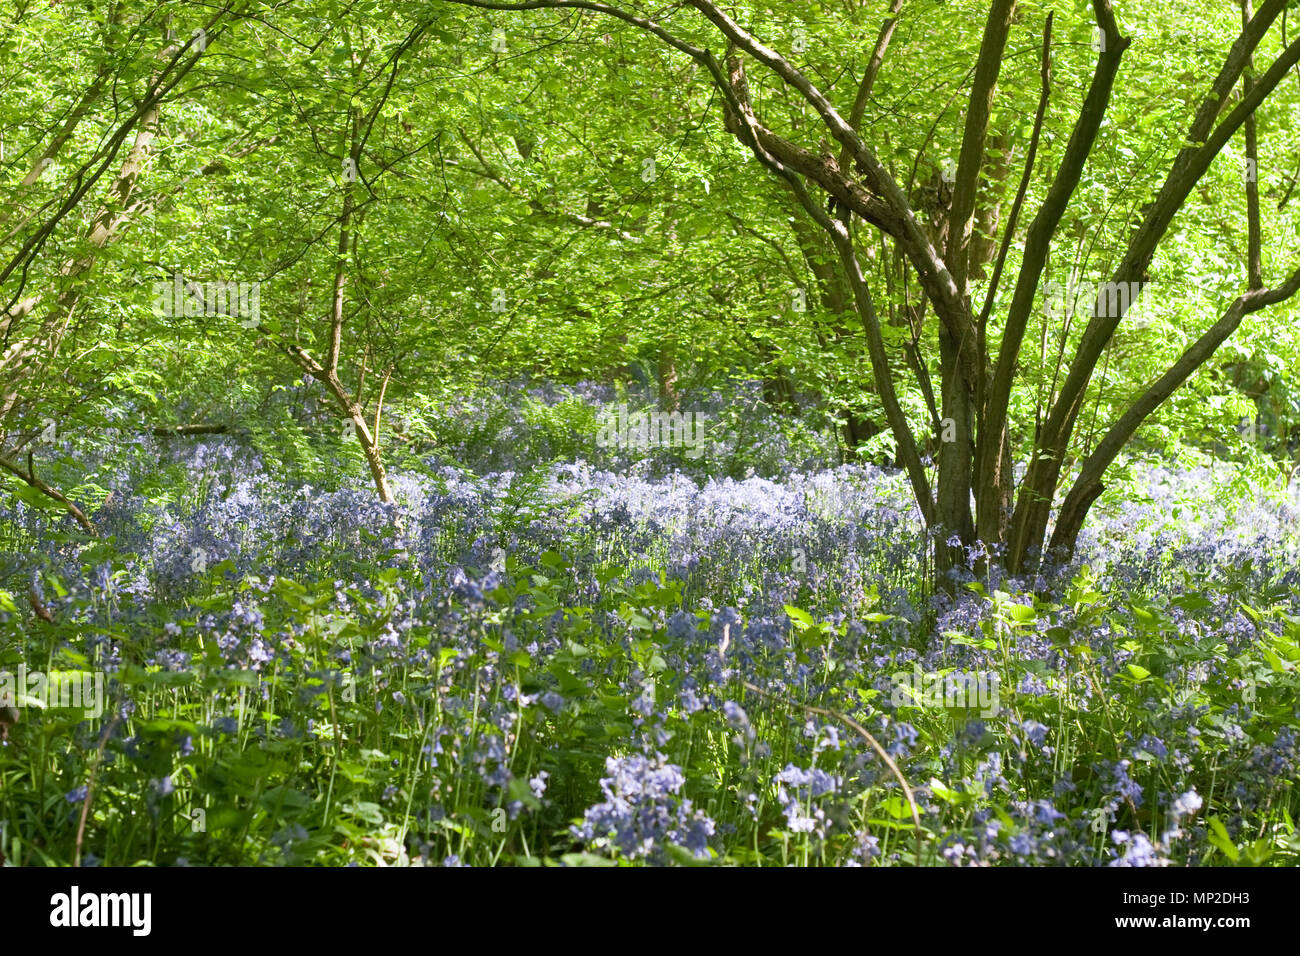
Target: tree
(35,326)
(841,182)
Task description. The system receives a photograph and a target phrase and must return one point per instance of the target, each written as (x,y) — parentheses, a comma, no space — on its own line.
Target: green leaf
(800,618)
(1218,836)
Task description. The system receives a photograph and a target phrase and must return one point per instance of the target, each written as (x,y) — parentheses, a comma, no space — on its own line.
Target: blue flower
(1139,851)
(538,784)
(643,813)
(1187,804)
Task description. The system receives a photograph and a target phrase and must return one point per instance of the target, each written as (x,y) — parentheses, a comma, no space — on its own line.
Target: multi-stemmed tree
(965,256)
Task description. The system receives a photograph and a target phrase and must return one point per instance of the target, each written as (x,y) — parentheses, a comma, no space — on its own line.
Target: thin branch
(1254,257)
(869,75)
(29,477)
(979,110)
(871,741)
(379,403)
(1045,71)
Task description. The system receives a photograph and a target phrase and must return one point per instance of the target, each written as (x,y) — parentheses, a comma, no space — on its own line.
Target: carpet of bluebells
(570,659)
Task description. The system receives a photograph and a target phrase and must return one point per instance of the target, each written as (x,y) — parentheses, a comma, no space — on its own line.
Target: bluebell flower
(642,812)
(1187,804)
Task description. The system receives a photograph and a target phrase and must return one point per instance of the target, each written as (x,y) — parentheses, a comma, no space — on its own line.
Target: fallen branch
(168,431)
(850,722)
(875,745)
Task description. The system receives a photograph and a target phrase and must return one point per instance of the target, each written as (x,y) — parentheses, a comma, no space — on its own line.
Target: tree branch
(29,476)
(1088,486)
(961,215)
(1034,503)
